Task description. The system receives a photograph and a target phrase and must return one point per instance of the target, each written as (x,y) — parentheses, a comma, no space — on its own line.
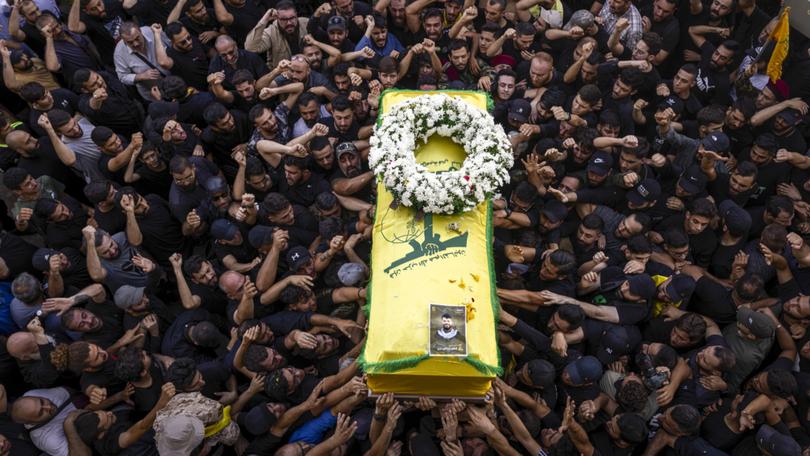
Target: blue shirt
(391,44)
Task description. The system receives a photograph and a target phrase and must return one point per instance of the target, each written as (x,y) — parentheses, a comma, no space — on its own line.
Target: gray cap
(760,325)
(581,18)
(350,274)
(127,296)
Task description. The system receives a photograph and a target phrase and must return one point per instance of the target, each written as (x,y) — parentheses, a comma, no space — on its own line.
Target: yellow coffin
(420,266)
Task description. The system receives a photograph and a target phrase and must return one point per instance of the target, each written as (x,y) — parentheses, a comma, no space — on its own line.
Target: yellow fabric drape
(779,36)
(418,262)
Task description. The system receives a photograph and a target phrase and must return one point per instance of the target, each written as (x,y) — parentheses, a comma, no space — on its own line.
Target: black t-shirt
(212,299)
(157,182)
(722,259)
(243,253)
(604,446)
(67,233)
(221,144)
(146,398)
(162,233)
(104,377)
(118,112)
(63,99)
(112,221)
(16,253)
(112,327)
(713,85)
(104,32)
(108,444)
(152,11)
(304,229)
(192,66)
(43,161)
(17,435)
(244,19)
(305,193)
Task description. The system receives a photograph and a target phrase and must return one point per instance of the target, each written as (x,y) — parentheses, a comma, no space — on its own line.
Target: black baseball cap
(541,373)
(642,285)
(680,287)
(615,342)
(520,110)
(737,219)
(336,22)
(646,191)
(600,163)
(716,142)
(693,180)
(671,102)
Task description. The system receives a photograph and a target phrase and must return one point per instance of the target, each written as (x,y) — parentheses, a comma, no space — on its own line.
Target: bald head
(32,410)
(17,140)
(23,346)
(230,282)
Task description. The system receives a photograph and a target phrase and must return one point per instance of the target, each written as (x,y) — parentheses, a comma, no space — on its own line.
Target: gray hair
(26,288)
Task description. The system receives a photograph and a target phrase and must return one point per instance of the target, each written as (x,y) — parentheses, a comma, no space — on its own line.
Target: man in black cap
(785,129)
(192,335)
(230,247)
(735,223)
(351,178)
(770,173)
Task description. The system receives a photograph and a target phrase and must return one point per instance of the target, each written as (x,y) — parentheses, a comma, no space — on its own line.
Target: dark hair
(341,69)
(242,75)
(593,222)
(178,164)
(747,169)
(256,111)
(329,228)
(675,237)
(214,113)
(293,294)
(725,356)
(341,103)
(590,93)
(572,314)
(731,45)
(653,41)
(32,92)
(610,118)
(564,260)
(693,325)
(285,5)
(781,383)
(44,207)
(639,244)
(318,143)
(491,27)
(101,135)
(14,177)
(306,98)
(632,77)
(552,97)
(58,118)
(379,20)
(193,264)
(703,207)
(595,58)
(525,28)
(712,114)
(501,3)
(666,356)
(779,203)
(749,287)
(298,162)
(690,68)
(325,200)
(456,45)
(173,28)
(687,418)
(173,87)
(525,191)
(247,324)
(128,366)
(642,219)
(97,191)
(81,76)
(774,236)
(746,106)
(640,151)
(632,396)
(182,372)
(254,356)
(86,426)
(275,202)
(254,167)
(432,12)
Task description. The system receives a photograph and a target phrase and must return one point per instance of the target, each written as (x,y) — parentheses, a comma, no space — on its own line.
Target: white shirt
(50,438)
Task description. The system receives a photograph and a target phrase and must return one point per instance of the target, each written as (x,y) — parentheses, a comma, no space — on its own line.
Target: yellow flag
(430,272)
(779,36)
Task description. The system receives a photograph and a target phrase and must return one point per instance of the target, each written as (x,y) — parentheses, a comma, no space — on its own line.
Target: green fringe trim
(391,365)
(483,367)
(493,298)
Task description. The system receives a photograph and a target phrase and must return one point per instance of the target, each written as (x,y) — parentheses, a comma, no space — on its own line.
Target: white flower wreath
(484,171)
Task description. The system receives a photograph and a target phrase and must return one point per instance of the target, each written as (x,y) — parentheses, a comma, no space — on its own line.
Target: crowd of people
(188,208)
